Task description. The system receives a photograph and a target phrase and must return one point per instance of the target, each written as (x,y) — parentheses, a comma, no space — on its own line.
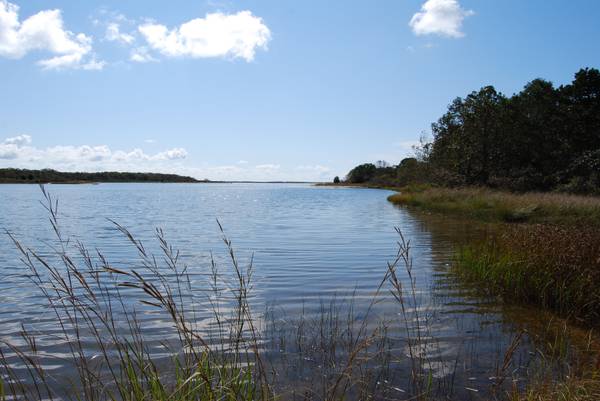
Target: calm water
(309,245)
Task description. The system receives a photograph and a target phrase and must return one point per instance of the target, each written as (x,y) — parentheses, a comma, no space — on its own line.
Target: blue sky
(263,90)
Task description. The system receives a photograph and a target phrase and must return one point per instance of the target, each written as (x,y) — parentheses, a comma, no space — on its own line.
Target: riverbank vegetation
(552,267)
(22,176)
(540,249)
(501,206)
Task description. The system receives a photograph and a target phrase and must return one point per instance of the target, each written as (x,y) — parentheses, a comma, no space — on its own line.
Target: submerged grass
(496,206)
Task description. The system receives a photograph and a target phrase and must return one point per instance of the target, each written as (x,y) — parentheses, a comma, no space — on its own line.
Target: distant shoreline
(47,176)
(154,182)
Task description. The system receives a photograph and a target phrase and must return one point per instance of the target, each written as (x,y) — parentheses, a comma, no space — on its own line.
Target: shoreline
(151,182)
(543,250)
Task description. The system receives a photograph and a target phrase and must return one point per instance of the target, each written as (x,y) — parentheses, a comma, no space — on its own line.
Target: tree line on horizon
(15,175)
(543,138)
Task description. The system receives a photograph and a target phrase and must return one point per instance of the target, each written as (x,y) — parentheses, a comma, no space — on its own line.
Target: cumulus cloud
(19,140)
(141,54)
(18,152)
(44,31)
(216,35)
(440,17)
(114,34)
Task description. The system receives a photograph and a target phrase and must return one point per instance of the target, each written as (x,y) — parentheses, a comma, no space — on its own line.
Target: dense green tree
(465,137)
(362,173)
(542,138)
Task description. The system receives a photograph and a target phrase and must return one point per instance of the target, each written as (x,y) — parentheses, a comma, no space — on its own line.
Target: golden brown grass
(573,389)
(553,267)
(490,205)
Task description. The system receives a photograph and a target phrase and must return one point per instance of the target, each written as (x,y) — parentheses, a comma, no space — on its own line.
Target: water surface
(308,244)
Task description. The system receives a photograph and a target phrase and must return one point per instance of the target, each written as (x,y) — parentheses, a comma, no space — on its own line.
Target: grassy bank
(552,267)
(496,206)
(551,259)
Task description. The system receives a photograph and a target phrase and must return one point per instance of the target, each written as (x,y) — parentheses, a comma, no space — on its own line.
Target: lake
(309,245)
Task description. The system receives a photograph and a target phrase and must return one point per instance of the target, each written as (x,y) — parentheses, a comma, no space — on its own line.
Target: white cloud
(18,140)
(18,152)
(172,154)
(216,35)
(44,31)
(141,55)
(114,34)
(268,167)
(440,17)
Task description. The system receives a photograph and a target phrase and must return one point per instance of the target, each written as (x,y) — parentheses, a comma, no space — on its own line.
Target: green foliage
(13,175)
(336,180)
(362,173)
(541,139)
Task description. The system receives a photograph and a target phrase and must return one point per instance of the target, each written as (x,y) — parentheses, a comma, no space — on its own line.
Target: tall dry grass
(107,347)
(490,205)
(553,267)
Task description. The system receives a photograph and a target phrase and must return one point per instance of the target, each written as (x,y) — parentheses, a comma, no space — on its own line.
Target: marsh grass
(571,389)
(556,268)
(496,206)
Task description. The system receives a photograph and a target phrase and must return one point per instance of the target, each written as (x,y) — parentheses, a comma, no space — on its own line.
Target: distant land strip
(22,176)
(49,176)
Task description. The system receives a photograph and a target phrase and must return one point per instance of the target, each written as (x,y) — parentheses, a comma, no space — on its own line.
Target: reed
(557,268)
(85,293)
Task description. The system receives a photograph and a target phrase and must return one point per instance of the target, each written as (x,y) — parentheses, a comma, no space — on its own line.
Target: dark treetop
(544,138)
